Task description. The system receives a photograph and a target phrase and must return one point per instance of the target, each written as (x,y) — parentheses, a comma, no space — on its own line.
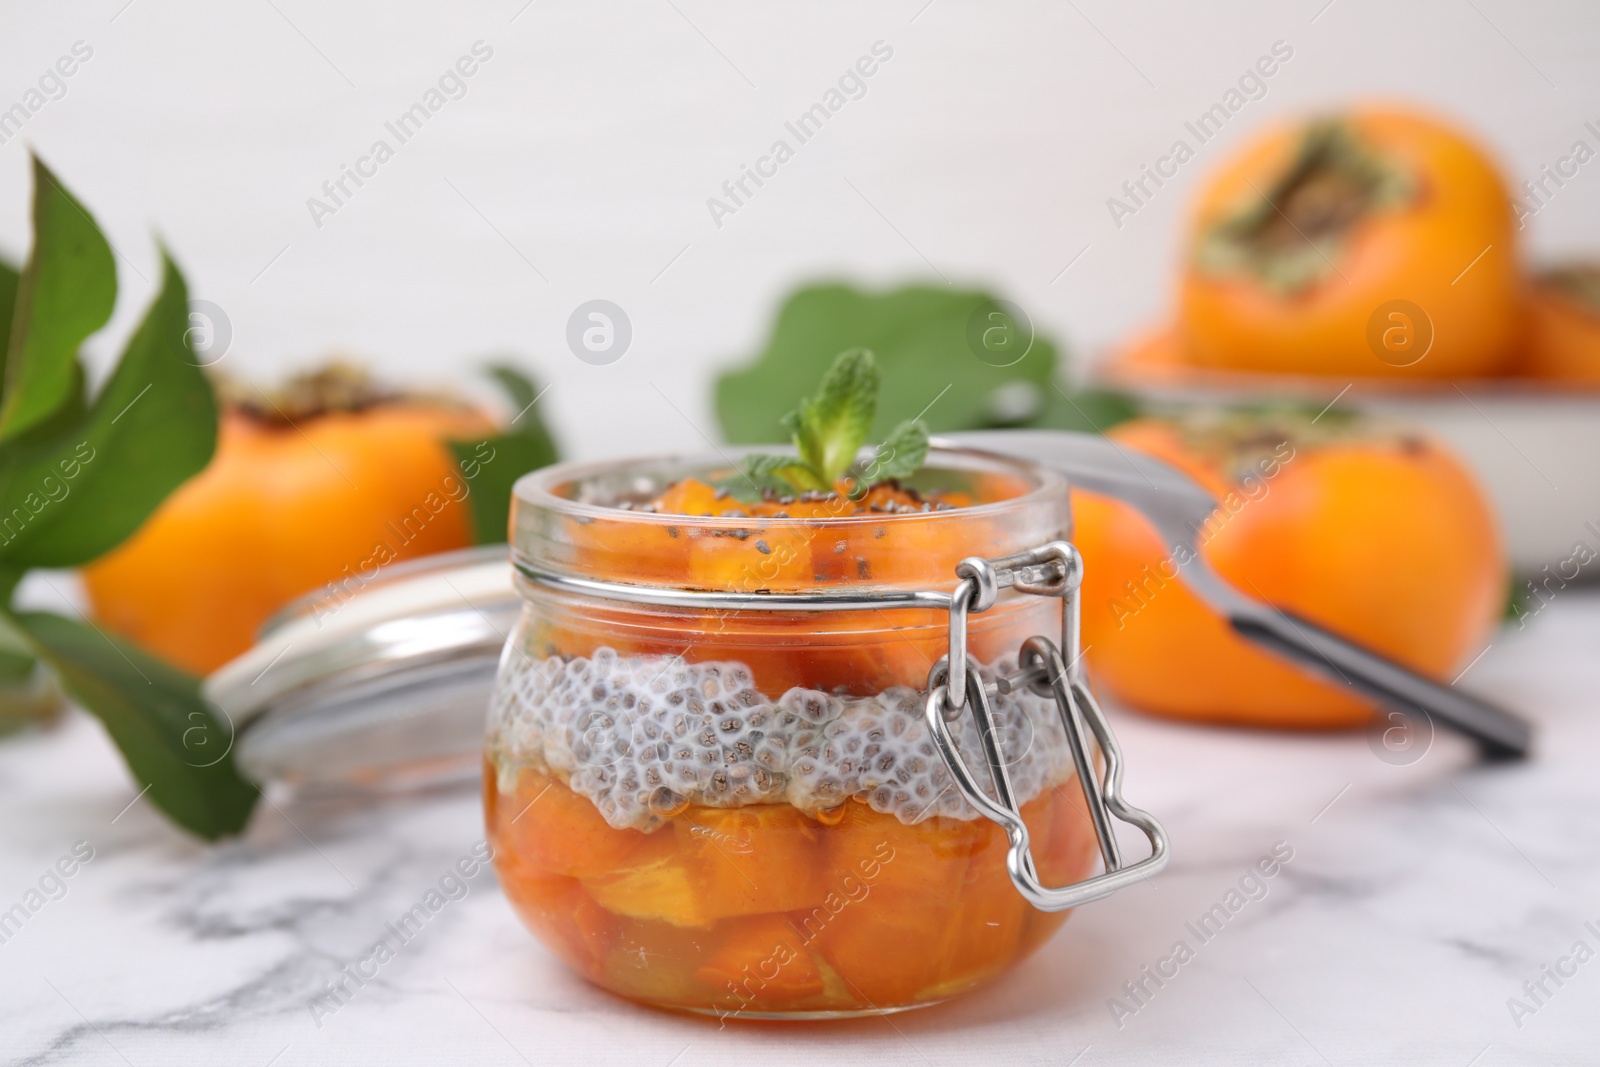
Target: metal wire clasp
(1055,570)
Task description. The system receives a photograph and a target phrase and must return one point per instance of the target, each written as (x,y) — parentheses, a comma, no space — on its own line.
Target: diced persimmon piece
(763,558)
(565,917)
(691,496)
(886,649)
(865,652)
(761,858)
(1066,855)
(780,556)
(907,548)
(760,962)
(544,824)
(655,961)
(992,915)
(724,863)
(886,929)
(664,889)
(627,546)
(599,628)
(1069,853)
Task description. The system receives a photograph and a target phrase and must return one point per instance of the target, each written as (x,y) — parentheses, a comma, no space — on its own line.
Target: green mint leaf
(490,467)
(740,487)
(924,338)
(901,454)
(759,474)
(830,427)
(73,497)
(173,741)
(781,474)
(66,292)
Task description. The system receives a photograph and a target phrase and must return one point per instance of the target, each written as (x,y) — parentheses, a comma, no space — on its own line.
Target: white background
(586,148)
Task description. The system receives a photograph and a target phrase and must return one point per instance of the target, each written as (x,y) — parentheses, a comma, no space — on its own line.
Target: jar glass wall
(741,812)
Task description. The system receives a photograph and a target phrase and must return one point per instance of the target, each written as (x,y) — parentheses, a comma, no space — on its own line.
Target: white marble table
(1419,899)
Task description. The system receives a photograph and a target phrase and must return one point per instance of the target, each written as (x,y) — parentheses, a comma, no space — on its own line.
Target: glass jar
(710,779)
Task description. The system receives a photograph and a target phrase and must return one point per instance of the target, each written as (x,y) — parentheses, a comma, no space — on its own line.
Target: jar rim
(565,522)
(537,489)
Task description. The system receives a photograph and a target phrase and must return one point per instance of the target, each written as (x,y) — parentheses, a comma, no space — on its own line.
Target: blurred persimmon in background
(1379,535)
(1379,242)
(1563,326)
(317,486)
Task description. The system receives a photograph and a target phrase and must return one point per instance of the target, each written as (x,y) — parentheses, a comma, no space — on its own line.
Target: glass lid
(374,682)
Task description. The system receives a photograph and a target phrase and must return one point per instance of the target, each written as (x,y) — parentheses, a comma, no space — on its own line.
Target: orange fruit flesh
(765,910)
(787,544)
(863,652)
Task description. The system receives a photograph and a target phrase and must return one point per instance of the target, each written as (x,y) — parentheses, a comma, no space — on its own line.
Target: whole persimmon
(1378,243)
(314,488)
(1149,356)
(1379,535)
(1562,330)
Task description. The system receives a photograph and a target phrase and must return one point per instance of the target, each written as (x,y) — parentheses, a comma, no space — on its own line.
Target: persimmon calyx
(339,385)
(1291,234)
(1244,442)
(1579,282)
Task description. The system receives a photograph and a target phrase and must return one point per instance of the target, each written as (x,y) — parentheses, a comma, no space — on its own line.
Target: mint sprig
(902,453)
(829,429)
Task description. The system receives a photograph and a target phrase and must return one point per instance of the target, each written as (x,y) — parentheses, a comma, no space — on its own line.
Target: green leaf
(524,392)
(781,474)
(492,466)
(920,338)
(1084,410)
(74,497)
(901,453)
(10,281)
(830,427)
(15,667)
(519,388)
(66,292)
(172,740)
(17,660)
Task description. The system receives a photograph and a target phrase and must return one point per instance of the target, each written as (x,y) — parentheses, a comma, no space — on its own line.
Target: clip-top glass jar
(727,766)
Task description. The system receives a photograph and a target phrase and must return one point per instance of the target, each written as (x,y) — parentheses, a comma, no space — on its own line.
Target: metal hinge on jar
(1055,570)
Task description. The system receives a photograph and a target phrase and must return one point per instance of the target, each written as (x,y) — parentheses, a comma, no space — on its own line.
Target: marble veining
(1419,901)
